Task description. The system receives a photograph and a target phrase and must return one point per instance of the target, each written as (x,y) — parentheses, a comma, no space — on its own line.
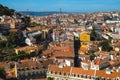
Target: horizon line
(72,11)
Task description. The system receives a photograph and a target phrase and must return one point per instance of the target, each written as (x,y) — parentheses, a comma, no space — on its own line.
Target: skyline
(65,5)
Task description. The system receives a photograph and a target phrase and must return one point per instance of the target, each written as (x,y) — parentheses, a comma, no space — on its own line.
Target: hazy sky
(65,5)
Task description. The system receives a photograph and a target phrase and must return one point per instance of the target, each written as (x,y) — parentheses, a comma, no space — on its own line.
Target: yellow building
(83,49)
(85,37)
(27,49)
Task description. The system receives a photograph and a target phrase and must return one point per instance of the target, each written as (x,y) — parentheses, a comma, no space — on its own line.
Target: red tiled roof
(98,61)
(67,42)
(74,70)
(61,48)
(117,44)
(55,68)
(47,52)
(4,64)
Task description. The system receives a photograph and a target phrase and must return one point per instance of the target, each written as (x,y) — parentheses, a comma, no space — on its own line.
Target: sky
(65,5)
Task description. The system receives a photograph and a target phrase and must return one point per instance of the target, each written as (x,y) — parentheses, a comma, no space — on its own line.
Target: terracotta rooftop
(78,71)
(64,54)
(61,52)
(84,55)
(4,64)
(55,68)
(98,61)
(83,49)
(117,44)
(61,48)
(115,52)
(114,62)
(27,48)
(30,64)
(46,52)
(67,42)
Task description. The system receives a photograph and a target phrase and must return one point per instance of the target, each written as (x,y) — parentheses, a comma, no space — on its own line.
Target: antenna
(60,10)
(27,11)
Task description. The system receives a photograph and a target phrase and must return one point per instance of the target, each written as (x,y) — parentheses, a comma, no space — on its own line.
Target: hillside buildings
(68,46)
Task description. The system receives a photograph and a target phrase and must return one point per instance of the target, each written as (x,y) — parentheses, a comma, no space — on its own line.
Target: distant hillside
(4,10)
(32,13)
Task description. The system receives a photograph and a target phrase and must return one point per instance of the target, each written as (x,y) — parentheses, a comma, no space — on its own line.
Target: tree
(92,56)
(26,20)
(106,45)
(50,78)
(11,39)
(94,35)
(2,72)
(4,10)
(33,24)
(21,53)
(3,44)
(19,38)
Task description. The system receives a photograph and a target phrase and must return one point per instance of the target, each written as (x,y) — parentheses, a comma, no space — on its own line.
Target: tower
(76,48)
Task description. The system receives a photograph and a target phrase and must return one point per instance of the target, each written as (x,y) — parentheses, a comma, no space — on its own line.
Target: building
(117,46)
(27,49)
(85,37)
(4,29)
(72,73)
(98,64)
(31,69)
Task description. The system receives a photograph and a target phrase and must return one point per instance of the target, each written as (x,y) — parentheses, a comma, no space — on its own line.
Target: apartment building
(72,73)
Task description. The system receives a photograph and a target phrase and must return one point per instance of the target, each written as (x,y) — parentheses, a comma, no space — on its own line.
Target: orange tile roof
(83,49)
(46,52)
(117,44)
(114,52)
(113,62)
(55,68)
(30,63)
(4,64)
(64,54)
(27,47)
(104,54)
(61,48)
(67,42)
(34,28)
(118,58)
(84,55)
(74,70)
(98,61)
(103,73)
(82,71)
